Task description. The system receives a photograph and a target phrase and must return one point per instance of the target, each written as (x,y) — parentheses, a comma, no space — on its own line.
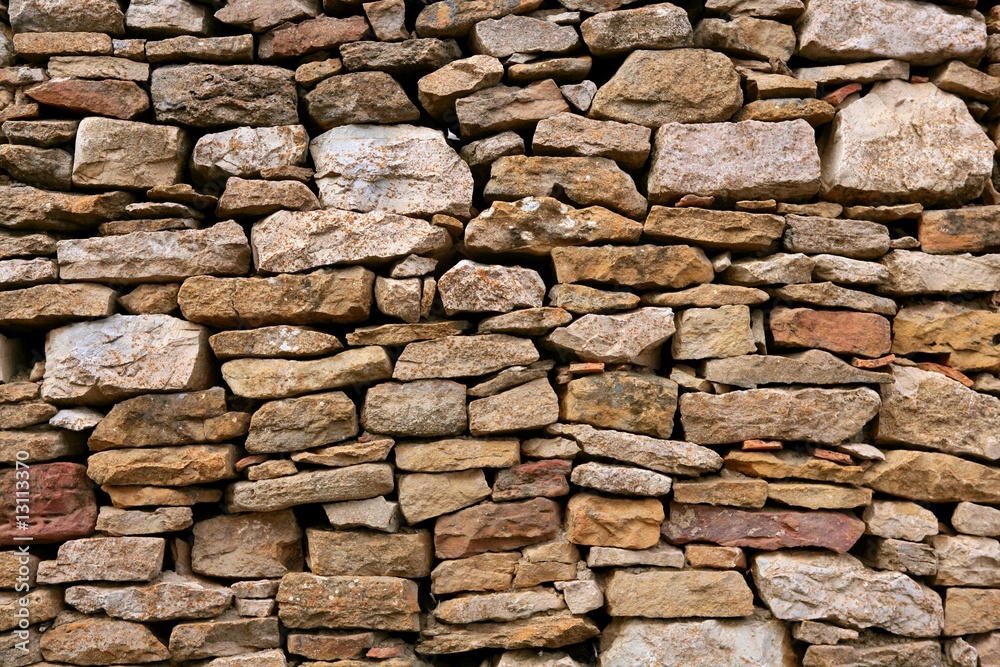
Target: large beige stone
(973,519)
(653,88)
(962,332)
(361,553)
(613,522)
(541,631)
(169,419)
(261,15)
(283,378)
(105,559)
(731,230)
(222,637)
(660,26)
(471,287)
(425,408)
(573,135)
(912,272)
(777,414)
(324,296)
(496,527)
(791,464)
(899,520)
(620,338)
(169,597)
(933,477)
(721,643)
(367,480)
(485,572)
(306,600)
(734,161)
(808,367)
(498,607)
(622,400)
(505,108)
(244,151)
(814,585)
(529,406)
(665,594)
(704,333)
(930,411)
(457,454)
(67,16)
(400,169)
(48,305)
(919,33)
(100,641)
(454,18)
(290,241)
(247,546)
(965,560)
(122,356)
(461,356)
(35,209)
(168,256)
(642,267)
(301,423)
(439,90)
(424,496)
(937,155)
(113,153)
(181,465)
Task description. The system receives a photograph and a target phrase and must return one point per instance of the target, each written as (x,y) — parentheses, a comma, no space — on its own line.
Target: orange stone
(838,331)
(836,457)
(880,362)
(761,445)
(946,371)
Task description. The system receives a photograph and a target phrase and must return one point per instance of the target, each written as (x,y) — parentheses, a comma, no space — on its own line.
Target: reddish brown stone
(697,201)
(881,362)
(61,504)
(972,229)
(530,480)
(839,95)
(119,99)
(761,445)
(946,371)
(490,527)
(292,40)
(839,331)
(836,457)
(762,529)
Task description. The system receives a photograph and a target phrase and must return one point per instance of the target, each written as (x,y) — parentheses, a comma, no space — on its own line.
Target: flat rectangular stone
(971,229)
(789,464)
(105,559)
(306,600)
(666,594)
(366,553)
(707,228)
(457,454)
(540,631)
(221,250)
(642,267)
(47,305)
(836,75)
(164,466)
(366,480)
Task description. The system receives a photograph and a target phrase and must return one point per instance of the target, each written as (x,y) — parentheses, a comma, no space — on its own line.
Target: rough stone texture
(244,151)
(622,338)
(367,480)
(641,267)
(956,330)
(613,522)
(496,527)
(811,585)
(244,546)
(933,477)
(470,287)
(922,120)
(714,229)
(102,145)
(63,506)
(621,400)
(301,423)
(843,332)
(760,160)
(678,594)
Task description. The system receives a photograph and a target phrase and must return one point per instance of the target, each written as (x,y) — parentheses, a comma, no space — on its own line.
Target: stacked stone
(513,333)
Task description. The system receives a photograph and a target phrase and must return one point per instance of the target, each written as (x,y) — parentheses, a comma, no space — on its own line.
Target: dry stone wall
(499,333)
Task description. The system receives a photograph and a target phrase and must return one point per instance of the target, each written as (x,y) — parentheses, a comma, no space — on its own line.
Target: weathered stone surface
(244,198)
(280,378)
(281,341)
(521,34)
(155,496)
(667,456)
(207,639)
(552,631)
(496,527)
(231,49)
(105,559)
(498,606)
(808,367)
(899,520)
(535,225)
(244,151)
(642,267)
(568,134)
(530,406)
(735,491)
(920,273)
(301,423)
(485,572)
(169,256)
(971,610)
(622,400)
(621,480)
(417,174)
(90,16)
(767,529)
(933,477)
(364,553)
(107,97)
(931,411)
(461,356)
(214,95)
(325,296)
(412,56)
(814,112)
(439,90)
(526,322)
(832,31)
(367,449)
(375,513)
(360,97)
(45,167)
(62,504)
(844,332)
(964,560)
(857,239)
(923,121)
(777,414)
(367,480)
(289,241)
(664,594)
(732,230)
(760,160)
(424,496)
(261,15)
(661,26)
(813,585)
(241,546)
(712,332)
(454,18)
(961,332)
(155,154)
(723,643)
(516,176)
(97,641)
(911,654)
(122,356)
(169,419)
(118,522)
(163,466)
(169,597)
(707,296)
(472,287)
(457,454)
(613,522)
(971,229)
(653,88)
(379,603)
(318,34)
(833,296)
(791,464)
(31,208)
(621,338)
(973,519)
(503,108)
(174,17)
(780,268)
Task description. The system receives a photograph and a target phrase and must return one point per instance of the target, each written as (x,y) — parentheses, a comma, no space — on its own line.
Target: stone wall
(499,333)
